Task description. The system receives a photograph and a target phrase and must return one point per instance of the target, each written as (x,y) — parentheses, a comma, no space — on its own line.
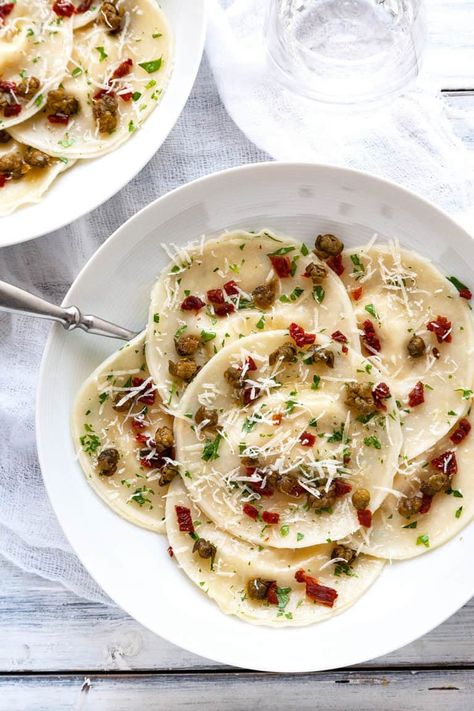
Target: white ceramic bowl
(132,565)
(89,183)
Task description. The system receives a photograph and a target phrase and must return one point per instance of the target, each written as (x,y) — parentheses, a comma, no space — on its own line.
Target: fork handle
(16,300)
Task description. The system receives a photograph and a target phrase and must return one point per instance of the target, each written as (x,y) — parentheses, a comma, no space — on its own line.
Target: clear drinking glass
(345,51)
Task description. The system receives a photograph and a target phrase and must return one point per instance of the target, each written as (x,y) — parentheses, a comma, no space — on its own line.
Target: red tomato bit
(148,397)
(185,521)
(300,576)
(357,293)
(223,309)
(231,288)
(299,335)
(465,293)
(3,180)
(123,69)
(380,393)
(426,502)
(251,394)
(127,96)
(137,424)
(446,463)
(250,511)
(12,110)
(369,338)
(64,8)
(461,431)
(365,517)
(272,596)
(215,296)
(250,363)
(62,119)
(5,10)
(341,488)
(307,439)
(339,337)
(319,593)
(281,264)
(335,263)
(417,395)
(270,517)
(276,417)
(441,327)
(192,303)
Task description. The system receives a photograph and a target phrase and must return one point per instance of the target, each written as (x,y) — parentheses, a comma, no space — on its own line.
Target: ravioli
(215,292)
(237,562)
(286,451)
(442,514)
(408,302)
(35,47)
(31,186)
(133,489)
(129,70)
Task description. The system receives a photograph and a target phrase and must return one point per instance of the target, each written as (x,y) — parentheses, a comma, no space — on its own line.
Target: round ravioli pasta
(117,80)
(418,329)
(229,287)
(235,563)
(436,516)
(31,186)
(35,47)
(117,410)
(274,441)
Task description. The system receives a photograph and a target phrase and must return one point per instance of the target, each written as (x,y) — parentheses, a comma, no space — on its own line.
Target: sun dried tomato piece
(231,288)
(277,418)
(260,487)
(270,517)
(170,552)
(300,576)
(320,593)
(141,438)
(185,521)
(357,293)
(138,424)
(365,517)
(281,264)
(369,337)
(149,458)
(307,439)
(8,86)
(417,395)
(123,69)
(223,309)
(465,293)
(426,502)
(61,119)
(148,398)
(335,263)
(64,8)
(127,96)
(341,488)
(5,10)
(192,303)
(436,353)
(84,6)
(250,363)
(12,110)
(250,511)
(272,596)
(339,337)
(251,394)
(215,296)
(461,431)
(3,180)
(441,327)
(299,335)
(446,463)
(380,393)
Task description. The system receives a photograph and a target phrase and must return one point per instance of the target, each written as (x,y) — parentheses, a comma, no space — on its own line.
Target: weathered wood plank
(415,691)
(43,627)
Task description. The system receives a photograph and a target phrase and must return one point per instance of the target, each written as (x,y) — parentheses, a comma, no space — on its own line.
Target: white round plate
(89,183)
(132,565)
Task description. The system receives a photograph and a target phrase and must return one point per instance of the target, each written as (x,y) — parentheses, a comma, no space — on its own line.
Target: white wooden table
(60,652)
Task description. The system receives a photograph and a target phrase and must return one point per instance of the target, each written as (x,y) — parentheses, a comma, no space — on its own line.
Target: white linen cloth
(411,141)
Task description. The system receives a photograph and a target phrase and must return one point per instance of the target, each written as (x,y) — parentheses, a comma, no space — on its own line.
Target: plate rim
(77,214)
(201,648)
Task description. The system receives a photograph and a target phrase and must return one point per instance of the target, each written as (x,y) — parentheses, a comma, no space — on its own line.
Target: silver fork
(16,300)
